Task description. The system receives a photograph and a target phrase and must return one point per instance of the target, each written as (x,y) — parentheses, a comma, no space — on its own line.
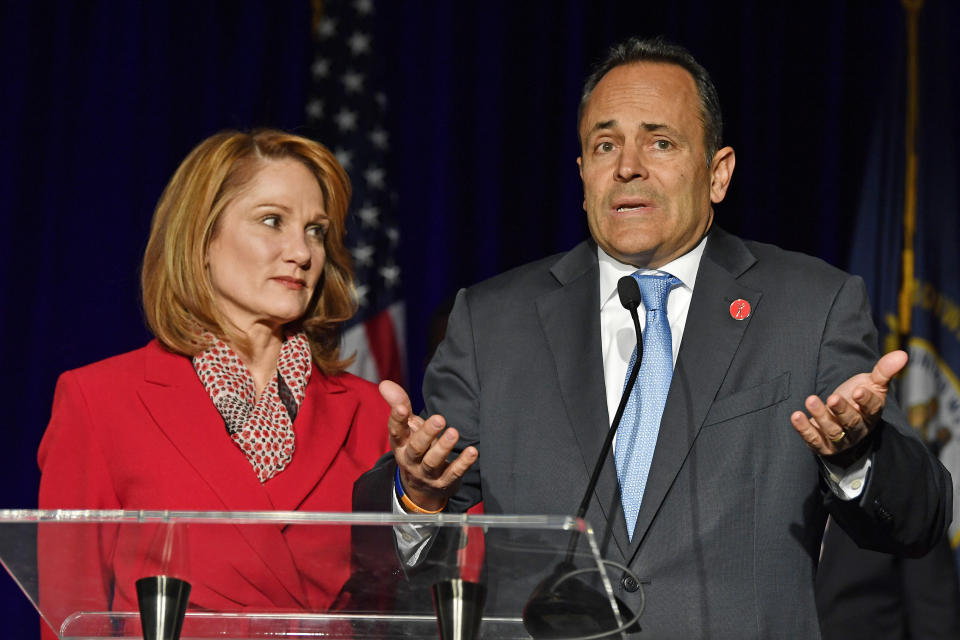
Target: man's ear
(721,172)
(580,169)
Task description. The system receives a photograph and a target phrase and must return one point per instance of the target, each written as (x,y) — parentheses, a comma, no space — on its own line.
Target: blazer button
(629,584)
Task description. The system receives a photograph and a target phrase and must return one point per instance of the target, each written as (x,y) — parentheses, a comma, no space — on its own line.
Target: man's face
(647,188)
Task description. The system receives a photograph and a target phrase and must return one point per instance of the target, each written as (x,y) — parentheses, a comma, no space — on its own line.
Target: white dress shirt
(617,336)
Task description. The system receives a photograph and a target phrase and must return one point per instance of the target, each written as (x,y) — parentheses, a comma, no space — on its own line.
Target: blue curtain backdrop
(101,100)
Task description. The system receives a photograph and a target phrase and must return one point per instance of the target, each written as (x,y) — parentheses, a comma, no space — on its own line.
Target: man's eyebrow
(657,126)
(605,124)
(647,126)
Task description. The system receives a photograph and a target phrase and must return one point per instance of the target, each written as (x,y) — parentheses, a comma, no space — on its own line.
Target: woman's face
(266,253)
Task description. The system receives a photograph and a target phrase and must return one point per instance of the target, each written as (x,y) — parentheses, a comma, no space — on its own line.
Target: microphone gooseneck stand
(562,606)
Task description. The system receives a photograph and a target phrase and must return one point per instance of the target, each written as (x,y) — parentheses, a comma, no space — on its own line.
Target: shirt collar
(684,268)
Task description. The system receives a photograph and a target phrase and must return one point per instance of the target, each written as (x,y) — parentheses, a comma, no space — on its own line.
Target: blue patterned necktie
(637,436)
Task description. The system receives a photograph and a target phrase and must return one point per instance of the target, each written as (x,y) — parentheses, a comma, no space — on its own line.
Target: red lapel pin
(740,309)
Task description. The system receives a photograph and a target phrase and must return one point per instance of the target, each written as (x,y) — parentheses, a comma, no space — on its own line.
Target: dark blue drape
(485,104)
(103,99)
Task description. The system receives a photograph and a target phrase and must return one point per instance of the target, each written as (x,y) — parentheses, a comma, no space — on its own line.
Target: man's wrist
(849,456)
(406,502)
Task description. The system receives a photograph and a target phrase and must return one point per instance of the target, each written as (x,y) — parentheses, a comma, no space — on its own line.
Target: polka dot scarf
(263,429)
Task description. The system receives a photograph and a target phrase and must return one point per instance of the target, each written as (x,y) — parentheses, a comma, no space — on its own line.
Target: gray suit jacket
(729,530)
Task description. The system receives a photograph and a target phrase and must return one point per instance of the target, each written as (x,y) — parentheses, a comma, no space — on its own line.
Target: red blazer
(138,431)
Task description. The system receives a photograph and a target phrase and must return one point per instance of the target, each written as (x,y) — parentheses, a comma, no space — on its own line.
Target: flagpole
(317,15)
(907,284)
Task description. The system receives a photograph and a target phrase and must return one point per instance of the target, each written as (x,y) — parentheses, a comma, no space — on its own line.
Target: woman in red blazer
(241,403)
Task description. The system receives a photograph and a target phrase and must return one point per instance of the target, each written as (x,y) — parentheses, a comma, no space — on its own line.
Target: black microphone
(561,606)
(629,292)
(630,298)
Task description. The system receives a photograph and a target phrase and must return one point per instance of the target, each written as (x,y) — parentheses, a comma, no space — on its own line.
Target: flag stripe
(384,345)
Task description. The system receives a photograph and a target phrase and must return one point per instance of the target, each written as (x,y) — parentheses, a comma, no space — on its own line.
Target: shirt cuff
(411,538)
(846,483)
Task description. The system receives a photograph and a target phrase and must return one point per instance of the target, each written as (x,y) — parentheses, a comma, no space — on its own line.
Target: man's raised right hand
(421,448)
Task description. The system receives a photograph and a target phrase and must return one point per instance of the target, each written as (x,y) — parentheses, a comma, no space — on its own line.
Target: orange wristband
(409,504)
(413,507)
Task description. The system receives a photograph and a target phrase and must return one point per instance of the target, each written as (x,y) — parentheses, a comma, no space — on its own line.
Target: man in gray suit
(525,385)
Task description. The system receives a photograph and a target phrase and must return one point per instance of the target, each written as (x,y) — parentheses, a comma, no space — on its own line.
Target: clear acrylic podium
(77,568)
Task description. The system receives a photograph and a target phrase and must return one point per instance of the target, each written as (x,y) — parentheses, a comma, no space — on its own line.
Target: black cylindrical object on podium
(459,607)
(163,605)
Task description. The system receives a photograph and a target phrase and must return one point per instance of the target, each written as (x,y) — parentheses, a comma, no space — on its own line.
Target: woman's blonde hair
(178,297)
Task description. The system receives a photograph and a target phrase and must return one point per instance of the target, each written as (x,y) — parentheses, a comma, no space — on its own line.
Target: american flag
(346,112)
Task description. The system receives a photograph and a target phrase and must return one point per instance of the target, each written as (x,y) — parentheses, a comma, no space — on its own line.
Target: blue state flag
(928,325)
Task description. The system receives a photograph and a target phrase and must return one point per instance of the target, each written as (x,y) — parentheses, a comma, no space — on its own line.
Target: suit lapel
(570,320)
(711,338)
(181,408)
(321,427)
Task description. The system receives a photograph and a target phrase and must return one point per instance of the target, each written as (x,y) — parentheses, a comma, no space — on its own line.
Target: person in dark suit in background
(711,497)
(241,403)
(867,595)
